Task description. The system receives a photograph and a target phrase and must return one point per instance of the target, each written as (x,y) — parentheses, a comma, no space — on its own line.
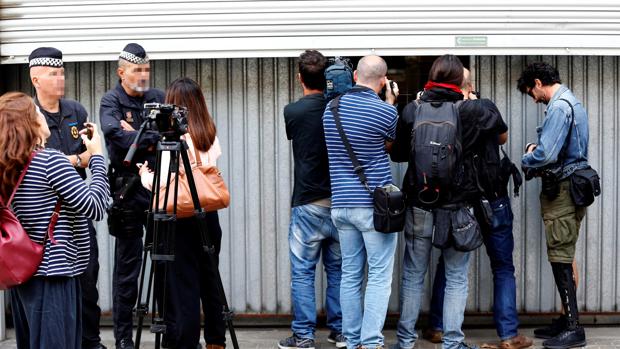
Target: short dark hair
(447,69)
(545,72)
(312,69)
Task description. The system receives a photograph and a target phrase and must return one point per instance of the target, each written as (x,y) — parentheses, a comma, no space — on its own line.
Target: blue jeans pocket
(502,214)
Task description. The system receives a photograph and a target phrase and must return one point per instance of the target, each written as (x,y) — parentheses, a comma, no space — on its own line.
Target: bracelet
(78,163)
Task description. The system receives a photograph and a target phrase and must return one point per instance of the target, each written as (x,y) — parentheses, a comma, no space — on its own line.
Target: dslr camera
(550,177)
(170,120)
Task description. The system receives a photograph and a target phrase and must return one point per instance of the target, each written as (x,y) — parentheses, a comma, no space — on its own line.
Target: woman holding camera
(46,309)
(191,261)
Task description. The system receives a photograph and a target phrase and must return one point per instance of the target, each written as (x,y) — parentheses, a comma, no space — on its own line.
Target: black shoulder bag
(389,201)
(584,183)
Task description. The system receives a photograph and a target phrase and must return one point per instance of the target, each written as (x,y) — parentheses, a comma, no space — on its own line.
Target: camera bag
(338,77)
(584,183)
(20,257)
(388,201)
(584,186)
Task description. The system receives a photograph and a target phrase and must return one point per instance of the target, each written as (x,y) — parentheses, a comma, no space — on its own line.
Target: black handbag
(584,186)
(388,201)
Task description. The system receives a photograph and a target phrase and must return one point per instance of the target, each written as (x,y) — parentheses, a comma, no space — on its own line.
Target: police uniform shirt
(65,127)
(117,105)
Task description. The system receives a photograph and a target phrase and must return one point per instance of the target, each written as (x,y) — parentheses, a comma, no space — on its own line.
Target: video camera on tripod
(169,120)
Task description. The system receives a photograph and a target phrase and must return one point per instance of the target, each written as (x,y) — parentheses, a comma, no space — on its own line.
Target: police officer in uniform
(121,116)
(65,118)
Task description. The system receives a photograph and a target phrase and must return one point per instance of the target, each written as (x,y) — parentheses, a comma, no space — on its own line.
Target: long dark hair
(186,92)
(447,69)
(20,130)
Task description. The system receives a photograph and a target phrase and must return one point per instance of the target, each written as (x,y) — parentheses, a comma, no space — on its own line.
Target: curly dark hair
(312,69)
(545,72)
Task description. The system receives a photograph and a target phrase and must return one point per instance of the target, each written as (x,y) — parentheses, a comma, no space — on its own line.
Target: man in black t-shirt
(311,229)
(65,119)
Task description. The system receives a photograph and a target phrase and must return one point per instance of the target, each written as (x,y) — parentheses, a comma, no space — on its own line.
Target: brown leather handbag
(212,191)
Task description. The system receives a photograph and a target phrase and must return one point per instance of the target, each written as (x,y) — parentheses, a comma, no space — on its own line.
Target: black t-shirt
(481,122)
(304,126)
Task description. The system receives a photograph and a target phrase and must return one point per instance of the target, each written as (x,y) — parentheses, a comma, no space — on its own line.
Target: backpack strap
(357,167)
(55,214)
(53,221)
(19,181)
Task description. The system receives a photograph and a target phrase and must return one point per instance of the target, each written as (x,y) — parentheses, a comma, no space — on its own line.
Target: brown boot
(214,346)
(432,335)
(517,342)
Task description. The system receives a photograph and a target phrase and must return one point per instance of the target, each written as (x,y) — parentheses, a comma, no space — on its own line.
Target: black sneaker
(125,343)
(557,326)
(567,339)
(338,339)
(294,342)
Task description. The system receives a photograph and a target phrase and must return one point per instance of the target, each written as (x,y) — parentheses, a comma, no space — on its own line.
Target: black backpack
(338,77)
(436,151)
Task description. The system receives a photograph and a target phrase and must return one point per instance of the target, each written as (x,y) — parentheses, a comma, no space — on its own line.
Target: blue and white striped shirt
(368,122)
(49,177)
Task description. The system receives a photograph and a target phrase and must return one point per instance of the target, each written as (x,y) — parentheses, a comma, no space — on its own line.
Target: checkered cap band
(46,62)
(128,56)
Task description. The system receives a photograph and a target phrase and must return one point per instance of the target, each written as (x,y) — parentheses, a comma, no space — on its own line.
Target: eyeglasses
(530,92)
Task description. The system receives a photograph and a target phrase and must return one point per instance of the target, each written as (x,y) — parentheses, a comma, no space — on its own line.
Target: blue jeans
(312,231)
(499,245)
(362,320)
(418,235)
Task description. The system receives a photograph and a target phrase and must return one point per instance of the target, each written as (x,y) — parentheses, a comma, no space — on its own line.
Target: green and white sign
(471,41)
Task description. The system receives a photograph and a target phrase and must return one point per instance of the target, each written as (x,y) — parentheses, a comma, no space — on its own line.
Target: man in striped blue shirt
(370,126)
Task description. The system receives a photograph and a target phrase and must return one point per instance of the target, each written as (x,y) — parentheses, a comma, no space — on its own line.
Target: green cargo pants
(562,221)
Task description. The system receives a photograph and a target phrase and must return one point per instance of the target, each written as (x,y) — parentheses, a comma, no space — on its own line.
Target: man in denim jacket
(561,149)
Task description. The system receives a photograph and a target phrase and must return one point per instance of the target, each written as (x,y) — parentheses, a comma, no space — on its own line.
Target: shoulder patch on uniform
(74,132)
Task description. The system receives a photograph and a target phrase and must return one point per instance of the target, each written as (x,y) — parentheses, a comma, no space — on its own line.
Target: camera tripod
(161,230)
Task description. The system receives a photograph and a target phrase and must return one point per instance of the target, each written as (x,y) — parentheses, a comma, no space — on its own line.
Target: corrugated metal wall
(97,30)
(246,97)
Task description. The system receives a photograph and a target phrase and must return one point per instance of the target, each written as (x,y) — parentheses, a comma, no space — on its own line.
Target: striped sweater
(368,122)
(49,177)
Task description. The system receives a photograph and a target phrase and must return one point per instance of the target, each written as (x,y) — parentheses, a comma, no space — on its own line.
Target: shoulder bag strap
(562,155)
(357,167)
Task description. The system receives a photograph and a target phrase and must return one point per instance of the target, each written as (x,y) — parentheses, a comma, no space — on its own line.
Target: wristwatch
(78,163)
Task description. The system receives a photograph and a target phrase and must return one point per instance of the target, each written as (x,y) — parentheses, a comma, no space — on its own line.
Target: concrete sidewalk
(264,338)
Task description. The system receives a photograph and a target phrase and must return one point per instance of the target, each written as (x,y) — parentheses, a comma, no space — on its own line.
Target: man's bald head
(371,71)
(467,86)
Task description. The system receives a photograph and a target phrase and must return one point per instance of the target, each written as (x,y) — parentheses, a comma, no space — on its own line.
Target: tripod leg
(142,308)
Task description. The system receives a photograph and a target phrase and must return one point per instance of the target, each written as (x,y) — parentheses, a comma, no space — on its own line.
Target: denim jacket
(552,135)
